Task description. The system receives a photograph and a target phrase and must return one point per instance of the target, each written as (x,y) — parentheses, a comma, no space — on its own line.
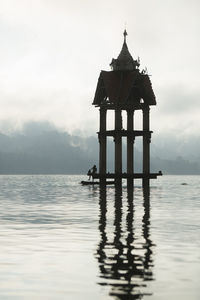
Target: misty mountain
(40,148)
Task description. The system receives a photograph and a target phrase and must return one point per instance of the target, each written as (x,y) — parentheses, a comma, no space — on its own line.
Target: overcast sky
(52,52)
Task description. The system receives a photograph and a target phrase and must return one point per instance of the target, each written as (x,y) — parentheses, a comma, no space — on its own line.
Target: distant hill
(43,149)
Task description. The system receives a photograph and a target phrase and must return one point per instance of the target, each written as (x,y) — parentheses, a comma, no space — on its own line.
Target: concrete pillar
(102,145)
(146,145)
(130,145)
(118,145)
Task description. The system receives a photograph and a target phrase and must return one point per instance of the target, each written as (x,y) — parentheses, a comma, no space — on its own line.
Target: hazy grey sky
(53,50)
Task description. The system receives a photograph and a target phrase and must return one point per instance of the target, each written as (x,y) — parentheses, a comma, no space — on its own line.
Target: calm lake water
(61,240)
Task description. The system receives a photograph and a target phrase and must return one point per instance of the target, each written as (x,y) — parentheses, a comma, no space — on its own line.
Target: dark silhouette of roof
(125,84)
(124,87)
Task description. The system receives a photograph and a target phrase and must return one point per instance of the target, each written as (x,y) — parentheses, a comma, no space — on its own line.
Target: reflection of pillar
(130,141)
(102,144)
(118,219)
(101,254)
(148,261)
(129,221)
(146,145)
(118,145)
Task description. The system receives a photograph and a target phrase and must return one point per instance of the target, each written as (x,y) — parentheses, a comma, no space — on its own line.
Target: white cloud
(52,52)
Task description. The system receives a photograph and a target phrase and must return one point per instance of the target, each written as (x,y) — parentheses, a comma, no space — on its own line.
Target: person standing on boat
(92,171)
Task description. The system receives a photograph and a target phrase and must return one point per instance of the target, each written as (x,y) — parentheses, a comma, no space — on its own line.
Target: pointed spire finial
(125,34)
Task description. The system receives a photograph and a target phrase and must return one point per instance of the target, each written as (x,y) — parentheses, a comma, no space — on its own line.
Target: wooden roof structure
(129,88)
(125,85)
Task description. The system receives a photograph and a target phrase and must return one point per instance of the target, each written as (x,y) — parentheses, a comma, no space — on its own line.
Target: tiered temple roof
(125,84)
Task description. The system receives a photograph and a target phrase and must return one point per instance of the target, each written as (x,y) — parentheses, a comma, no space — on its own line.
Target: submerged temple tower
(127,88)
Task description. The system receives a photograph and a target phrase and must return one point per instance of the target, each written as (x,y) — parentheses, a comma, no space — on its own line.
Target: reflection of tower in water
(125,261)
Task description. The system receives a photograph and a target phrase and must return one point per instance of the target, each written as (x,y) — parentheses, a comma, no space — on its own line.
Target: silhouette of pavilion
(124,88)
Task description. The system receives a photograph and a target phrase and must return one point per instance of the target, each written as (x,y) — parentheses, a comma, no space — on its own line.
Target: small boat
(95,182)
(89,182)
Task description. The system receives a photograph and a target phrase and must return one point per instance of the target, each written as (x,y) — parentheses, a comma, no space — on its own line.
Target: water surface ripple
(60,240)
